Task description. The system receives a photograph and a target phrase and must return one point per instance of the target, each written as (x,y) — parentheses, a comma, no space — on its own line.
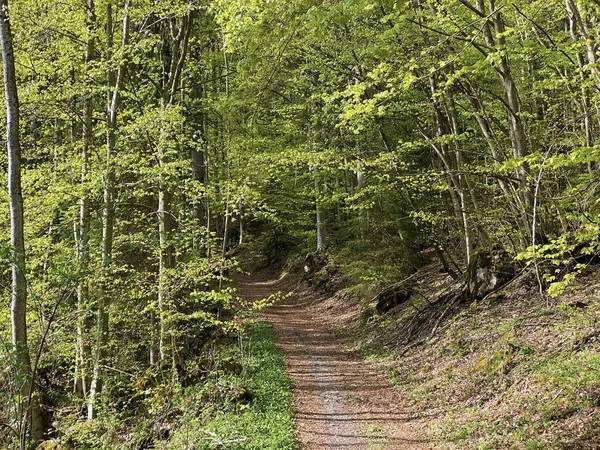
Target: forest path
(340,400)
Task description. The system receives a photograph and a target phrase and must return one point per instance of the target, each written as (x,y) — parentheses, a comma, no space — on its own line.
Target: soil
(341,401)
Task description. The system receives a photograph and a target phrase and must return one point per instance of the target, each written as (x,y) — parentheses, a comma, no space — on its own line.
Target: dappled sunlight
(341,400)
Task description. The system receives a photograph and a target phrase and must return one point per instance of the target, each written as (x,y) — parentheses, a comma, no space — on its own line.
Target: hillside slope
(516,369)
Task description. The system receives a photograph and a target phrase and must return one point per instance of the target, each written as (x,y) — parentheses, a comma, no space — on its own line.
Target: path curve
(340,400)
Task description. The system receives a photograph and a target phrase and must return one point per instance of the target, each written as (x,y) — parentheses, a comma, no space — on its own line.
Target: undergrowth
(243,402)
(516,371)
(518,374)
(256,416)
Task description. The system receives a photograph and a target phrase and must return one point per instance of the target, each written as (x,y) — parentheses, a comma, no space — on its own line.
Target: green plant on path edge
(264,421)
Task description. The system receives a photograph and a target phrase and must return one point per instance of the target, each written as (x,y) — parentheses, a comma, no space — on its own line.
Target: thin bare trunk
(115,82)
(82,366)
(228,136)
(320,239)
(241,228)
(153,352)
(29,404)
(226,222)
(173,59)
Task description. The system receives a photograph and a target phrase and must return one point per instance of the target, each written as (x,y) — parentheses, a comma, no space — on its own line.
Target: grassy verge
(253,408)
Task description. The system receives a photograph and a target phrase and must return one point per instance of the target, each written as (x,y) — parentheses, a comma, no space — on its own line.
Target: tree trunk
(320,239)
(513,103)
(108,212)
(226,221)
(241,228)
(575,21)
(82,359)
(579,17)
(456,187)
(29,407)
(172,59)
(165,262)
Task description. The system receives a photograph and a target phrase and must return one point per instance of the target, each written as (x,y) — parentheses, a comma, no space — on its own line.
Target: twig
(450,304)
(557,394)
(394,286)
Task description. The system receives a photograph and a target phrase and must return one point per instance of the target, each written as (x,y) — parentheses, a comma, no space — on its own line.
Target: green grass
(260,420)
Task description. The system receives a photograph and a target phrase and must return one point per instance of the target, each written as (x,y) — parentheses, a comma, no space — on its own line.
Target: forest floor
(340,400)
(516,370)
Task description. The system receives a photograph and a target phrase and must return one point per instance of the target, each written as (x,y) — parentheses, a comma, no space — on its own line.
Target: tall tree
(175,32)
(82,228)
(115,84)
(29,403)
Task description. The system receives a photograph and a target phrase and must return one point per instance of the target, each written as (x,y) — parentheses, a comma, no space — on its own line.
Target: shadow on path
(341,401)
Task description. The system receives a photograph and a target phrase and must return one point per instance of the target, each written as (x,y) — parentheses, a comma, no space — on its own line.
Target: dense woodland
(158,139)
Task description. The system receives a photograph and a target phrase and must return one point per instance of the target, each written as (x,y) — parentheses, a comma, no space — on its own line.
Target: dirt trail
(341,401)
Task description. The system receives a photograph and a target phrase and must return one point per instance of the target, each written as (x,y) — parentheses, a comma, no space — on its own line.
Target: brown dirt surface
(340,400)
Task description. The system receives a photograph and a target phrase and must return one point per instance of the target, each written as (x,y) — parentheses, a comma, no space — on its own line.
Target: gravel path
(341,401)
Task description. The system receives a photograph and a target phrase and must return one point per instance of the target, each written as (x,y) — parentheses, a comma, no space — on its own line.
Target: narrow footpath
(340,400)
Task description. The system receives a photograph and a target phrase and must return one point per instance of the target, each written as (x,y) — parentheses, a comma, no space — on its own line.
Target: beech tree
(30,419)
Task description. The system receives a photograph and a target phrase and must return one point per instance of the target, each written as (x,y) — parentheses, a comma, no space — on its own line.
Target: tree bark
(115,82)
(82,360)
(29,402)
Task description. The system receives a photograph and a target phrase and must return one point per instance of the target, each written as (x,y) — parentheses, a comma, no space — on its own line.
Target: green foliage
(254,409)
(402,129)
(235,394)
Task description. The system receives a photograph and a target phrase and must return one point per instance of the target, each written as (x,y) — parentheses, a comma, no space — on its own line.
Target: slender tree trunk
(172,59)
(579,17)
(575,22)
(317,192)
(452,165)
(198,174)
(154,355)
(29,403)
(318,217)
(165,263)
(226,220)
(115,82)
(465,192)
(495,40)
(82,369)
(360,182)
(241,228)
